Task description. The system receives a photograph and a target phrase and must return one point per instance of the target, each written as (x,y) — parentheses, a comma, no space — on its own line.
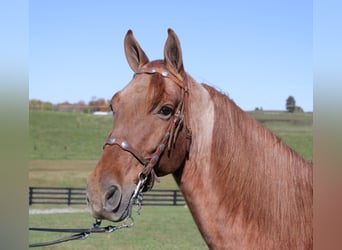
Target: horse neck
(239,179)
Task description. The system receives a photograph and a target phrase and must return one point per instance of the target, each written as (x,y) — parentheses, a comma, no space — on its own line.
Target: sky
(257,52)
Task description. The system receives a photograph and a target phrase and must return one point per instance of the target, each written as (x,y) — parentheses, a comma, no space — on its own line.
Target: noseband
(148,175)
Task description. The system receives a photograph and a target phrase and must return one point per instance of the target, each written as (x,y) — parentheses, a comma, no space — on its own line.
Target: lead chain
(137,197)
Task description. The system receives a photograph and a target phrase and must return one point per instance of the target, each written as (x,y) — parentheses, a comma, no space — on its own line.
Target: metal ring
(142,176)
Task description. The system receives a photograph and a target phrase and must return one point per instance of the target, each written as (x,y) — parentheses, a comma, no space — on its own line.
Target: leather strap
(124,145)
(159,67)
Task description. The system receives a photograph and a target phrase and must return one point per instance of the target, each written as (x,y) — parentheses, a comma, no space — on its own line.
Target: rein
(81,233)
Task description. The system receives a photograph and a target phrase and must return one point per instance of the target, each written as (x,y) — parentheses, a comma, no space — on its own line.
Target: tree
(101,105)
(290,104)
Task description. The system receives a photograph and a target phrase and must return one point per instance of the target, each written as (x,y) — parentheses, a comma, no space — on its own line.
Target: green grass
(73,173)
(155,228)
(67,136)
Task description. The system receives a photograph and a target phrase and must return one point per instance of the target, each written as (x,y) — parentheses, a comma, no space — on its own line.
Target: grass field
(67,136)
(72,173)
(64,149)
(155,228)
(79,136)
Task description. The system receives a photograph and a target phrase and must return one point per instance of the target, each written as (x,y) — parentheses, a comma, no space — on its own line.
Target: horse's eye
(166,111)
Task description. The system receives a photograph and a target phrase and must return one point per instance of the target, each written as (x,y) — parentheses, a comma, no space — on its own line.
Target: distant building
(101,113)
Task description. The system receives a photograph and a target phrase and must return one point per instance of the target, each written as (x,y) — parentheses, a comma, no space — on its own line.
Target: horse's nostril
(112,198)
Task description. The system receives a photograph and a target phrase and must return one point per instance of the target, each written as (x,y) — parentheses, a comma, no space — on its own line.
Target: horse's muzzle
(111,203)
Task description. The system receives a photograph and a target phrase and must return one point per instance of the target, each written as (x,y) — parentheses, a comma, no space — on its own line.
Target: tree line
(102,105)
(94,105)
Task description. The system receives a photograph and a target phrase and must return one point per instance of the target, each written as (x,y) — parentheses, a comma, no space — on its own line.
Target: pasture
(64,149)
(79,136)
(155,228)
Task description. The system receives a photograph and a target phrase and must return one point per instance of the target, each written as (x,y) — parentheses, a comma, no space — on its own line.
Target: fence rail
(77,196)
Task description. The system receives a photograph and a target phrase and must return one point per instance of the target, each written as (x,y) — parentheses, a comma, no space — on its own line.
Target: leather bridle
(180,118)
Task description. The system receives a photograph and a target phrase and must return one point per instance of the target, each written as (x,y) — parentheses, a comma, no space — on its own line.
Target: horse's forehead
(139,88)
(136,89)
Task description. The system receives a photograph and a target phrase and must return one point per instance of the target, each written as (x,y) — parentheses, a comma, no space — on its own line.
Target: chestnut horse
(244,187)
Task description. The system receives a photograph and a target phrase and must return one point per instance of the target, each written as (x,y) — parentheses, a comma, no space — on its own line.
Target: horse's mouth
(126,212)
(117,214)
(122,212)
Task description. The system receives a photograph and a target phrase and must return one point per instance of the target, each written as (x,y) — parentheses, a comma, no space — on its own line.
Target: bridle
(147,176)
(180,118)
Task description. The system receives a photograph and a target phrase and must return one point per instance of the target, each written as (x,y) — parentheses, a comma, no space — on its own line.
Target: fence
(77,196)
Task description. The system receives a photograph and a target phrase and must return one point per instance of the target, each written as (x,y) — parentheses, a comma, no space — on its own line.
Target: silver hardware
(84,235)
(154,159)
(164,73)
(124,145)
(110,229)
(111,140)
(153,70)
(161,147)
(137,196)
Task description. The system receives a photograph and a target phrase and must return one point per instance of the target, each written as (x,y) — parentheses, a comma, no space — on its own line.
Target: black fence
(77,196)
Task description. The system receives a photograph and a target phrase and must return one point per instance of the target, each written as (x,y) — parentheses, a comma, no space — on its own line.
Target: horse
(245,188)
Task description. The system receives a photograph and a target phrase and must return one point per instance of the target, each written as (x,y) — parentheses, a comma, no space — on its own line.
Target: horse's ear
(173,54)
(135,56)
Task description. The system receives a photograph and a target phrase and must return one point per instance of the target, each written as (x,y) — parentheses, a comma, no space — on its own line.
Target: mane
(261,176)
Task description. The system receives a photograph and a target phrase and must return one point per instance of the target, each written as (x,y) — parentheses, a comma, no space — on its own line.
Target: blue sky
(257,52)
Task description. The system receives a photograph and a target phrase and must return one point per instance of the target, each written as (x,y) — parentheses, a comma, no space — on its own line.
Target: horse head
(150,134)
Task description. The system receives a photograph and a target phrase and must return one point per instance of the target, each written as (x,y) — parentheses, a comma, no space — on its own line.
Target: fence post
(174,197)
(69,196)
(30,196)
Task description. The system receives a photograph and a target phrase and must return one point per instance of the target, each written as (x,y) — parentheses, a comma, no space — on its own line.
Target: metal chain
(137,197)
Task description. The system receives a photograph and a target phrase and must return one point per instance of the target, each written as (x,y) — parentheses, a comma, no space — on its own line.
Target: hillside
(79,136)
